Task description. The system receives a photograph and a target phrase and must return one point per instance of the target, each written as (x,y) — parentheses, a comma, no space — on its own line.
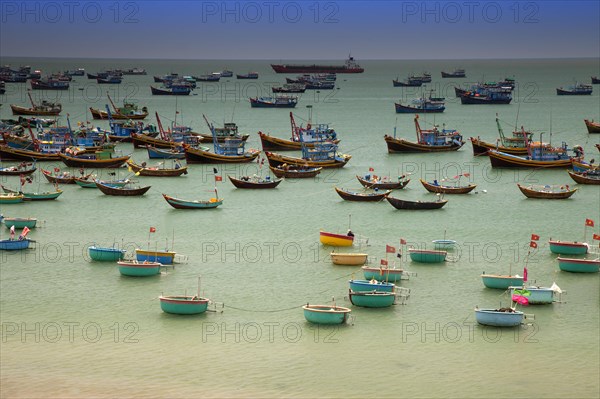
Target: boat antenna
(199,277)
(517,118)
(550,141)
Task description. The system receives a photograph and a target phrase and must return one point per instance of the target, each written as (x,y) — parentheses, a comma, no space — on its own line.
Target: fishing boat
(254,182)
(364,196)
(457,73)
(174,90)
(595,80)
(502,282)
(383,273)
(433,140)
(8,153)
(371,285)
(336,240)
(592,127)
(372,299)
(427,255)
(225,73)
(49,84)
(404,204)
(274,102)
(326,314)
(348,259)
(540,155)
(129,111)
(139,269)
(420,106)
(384,183)
(165,153)
(487,96)
(228,131)
(443,244)
(14,245)
(578,89)
(162,257)
(156,171)
(250,75)
(100,159)
(20,223)
(215,77)
(28,196)
(503,317)
(46,108)
(349,66)
(300,137)
(320,155)
(179,203)
(105,254)
(535,295)
(123,191)
(580,165)
(23,168)
(58,177)
(290,88)
(587,177)
(574,265)
(10,198)
(568,247)
(410,82)
(90,181)
(183,304)
(547,191)
(436,187)
(294,171)
(110,79)
(515,145)
(134,71)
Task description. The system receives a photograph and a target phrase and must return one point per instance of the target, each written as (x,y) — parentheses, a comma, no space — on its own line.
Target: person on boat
(350,233)
(177,165)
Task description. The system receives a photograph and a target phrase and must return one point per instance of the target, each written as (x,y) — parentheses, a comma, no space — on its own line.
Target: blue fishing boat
(164,257)
(539,155)
(250,75)
(487,95)
(326,314)
(579,265)
(183,304)
(371,285)
(568,247)
(139,269)
(383,274)
(179,203)
(14,245)
(503,317)
(109,79)
(427,255)
(174,90)
(19,223)
(535,295)
(164,153)
(105,254)
(578,89)
(431,140)
(421,105)
(274,102)
(372,299)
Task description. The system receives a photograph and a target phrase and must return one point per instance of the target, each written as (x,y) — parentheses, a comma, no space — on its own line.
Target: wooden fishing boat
(137,269)
(99,160)
(592,127)
(366,196)
(578,89)
(198,155)
(301,136)
(90,182)
(503,317)
(126,112)
(515,145)
(183,304)
(383,184)
(427,255)
(336,240)
(271,143)
(420,106)
(435,187)
(294,171)
(44,109)
(574,265)
(144,140)
(335,161)
(547,192)
(174,90)
(588,177)
(407,83)
(579,165)
(433,140)
(121,191)
(551,158)
(487,95)
(178,203)
(457,73)
(568,247)
(501,282)
(105,254)
(161,171)
(164,153)
(58,177)
(348,259)
(8,153)
(383,274)
(10,198)
(371,285)
(326,314)
(372,299)
(250,75)
(110,79)
(274,102)
(20,223)
(404,204)
(49,84)
(163,257)
(24,169)
(254,182)
(228,131)
(43,196)
(14,245)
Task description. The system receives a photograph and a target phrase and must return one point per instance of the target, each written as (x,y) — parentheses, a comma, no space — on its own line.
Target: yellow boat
(336,240)
(347,259)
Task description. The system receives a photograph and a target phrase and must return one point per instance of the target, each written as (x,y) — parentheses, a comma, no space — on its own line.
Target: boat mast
(500,131)
(160,127)
(295,134)
(112,103)
(418,128)
(30,99)
(212,131)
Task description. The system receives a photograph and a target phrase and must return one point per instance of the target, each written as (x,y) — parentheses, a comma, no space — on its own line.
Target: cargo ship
(350,66)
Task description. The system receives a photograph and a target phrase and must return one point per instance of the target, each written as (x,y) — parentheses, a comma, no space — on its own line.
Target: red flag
(152,229)
(389,249)
(466,174)
(24,232)
(218,178)
(402,241)
(533,244)
(535,237)
(384,262)
(371,170)
(589,222)
(524,274)
(596,237)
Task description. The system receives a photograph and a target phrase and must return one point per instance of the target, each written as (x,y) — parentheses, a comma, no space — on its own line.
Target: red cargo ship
(350,66)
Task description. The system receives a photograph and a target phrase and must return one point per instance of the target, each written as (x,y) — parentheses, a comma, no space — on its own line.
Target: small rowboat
(105,254)
(11,198)
(14,245)
(63,178)
(87,182)
(382,274)
(537,295)
(592,127)
(121,191)
(76,162)
(372,299)
(382,184)
(579,265)
(568,247)
(547,192)
(336,240)
(326,314)
(373,196)
(404,204)
(183,304)
(371,285)
(137,269)
(503,317)
(592,177)
(445,189)
(163,257)
(339,161)
(348,259)
(164,153)
(501,282)
(178,203)
(254,183)
(18,170)
(143,170)
(45,196)
(443,244)
(427,255)
(19,223)
(294,171)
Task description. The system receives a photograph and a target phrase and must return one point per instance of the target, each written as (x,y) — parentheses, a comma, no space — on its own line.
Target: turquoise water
(72,328)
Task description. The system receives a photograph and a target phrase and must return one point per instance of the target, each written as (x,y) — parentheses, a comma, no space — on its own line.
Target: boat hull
(530,192)
(178,203)
(193,155)
(239,183)
(492,317)
(105,254)
(584,178)
(183,304)
(335,240)
(19,223)
(14,245)
(271,143)
(372,299)
(427,256)
(139,269)
(501,160)
(278,159)
(432,188)
(415,205)
(370,286)
(112,163)
(164,257)
(481,147)
(537,295)
(568,248)
(324,314)
(348,259)
(401,145)
(578,265)
(501,282)
(383,274)
(361,197)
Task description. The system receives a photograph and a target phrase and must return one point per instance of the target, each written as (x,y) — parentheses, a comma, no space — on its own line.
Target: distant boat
(350,66)
(215,77)
(502,282)
(514,145)
(595,80)
(97,160)
(457,73)
(568,247)
(326,314)
(301,137)
(20,223)
(410,82)
(14,245)
(18,170)
(122,191)
(110,79)
(433,140)
(547,191)
(250,75)
(127,111)
(46,108)
(427,255)
(179,203)
(592,127)
(421,105)
(294,171)
(254,182)
(134,71)
(225,73)
(49,84)
(587,177)
(436,187)
(172,91)
(105,254)
(290,88)
(577,90)
(487,96)
(383,183)
(414,205)
(348,259)
(574,265)
(539,155)
(156,171)
(274,102)
(137,269)
(362,196)
(503,317)
(375,299)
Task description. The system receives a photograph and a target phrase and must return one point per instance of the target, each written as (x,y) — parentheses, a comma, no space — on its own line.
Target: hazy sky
(300,29)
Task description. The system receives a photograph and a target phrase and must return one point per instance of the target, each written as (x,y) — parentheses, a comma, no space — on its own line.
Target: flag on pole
(525,274)
(589,222)
(152,229)
(402,241)
(218,178)
(384,262)
(24,233)
(389,249)
(533,244)
(535,237)
(12,232)
(596,237)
